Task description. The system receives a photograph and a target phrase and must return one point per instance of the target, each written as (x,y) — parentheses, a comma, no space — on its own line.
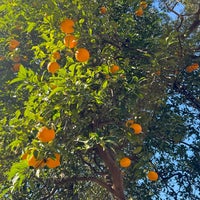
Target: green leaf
(93,135)
(72,69)
(104,85)
(81,21)
(31,26)
(15,80)
(22,72)
(3,7)
(56,90)
(29,114)
(90,31)
(17,168)
(45,37)
(137,150)
(3,192)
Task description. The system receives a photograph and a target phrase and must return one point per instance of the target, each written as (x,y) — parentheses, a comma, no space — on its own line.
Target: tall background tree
(141,71)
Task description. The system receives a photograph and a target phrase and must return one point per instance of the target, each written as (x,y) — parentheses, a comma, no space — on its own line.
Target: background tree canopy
(123,66)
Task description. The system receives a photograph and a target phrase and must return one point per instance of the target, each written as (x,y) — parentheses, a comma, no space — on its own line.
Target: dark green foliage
(88,106)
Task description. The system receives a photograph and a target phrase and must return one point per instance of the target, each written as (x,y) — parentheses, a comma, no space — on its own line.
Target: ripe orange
(52,67)
(139,12)
(16,67)
(103,10)
(192,67)
(125,162)
(56,55)
(24,156)
(152,176)
(114,69)
(32,161)
(195,66)
(143,4)
(45,134)
(52,163)
(136,127)
(189,69)
(70,41)
(129,122)
(13,44)
(82,55)
(67,26)
(158,72)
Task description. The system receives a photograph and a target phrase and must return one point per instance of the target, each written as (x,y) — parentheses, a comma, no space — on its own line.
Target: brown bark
(115,172)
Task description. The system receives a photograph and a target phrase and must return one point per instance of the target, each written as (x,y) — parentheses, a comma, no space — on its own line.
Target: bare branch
(91,167)
(183,90)
(172,9)
(194,25)
(50,194)
(181,17)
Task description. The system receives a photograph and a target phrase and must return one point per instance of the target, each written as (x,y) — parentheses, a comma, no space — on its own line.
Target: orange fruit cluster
(45,134)
(125,162)
(13,44)
(139,12)
(192,67)
(137,128)
(34,162)
(40,163)
(70,41)
(152,176)
(67,26)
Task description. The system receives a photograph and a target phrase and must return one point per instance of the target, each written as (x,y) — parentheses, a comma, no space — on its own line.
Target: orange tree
(74,109)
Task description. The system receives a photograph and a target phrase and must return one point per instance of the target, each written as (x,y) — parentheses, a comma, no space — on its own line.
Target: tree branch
(92,179)
(50,194)
(91,167)
(183,90)
(114,171)
(194,25)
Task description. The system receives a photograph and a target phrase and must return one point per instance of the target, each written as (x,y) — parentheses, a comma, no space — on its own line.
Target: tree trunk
(115,172)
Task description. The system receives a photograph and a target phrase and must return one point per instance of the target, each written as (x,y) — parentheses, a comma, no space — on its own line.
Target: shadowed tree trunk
(115,172)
